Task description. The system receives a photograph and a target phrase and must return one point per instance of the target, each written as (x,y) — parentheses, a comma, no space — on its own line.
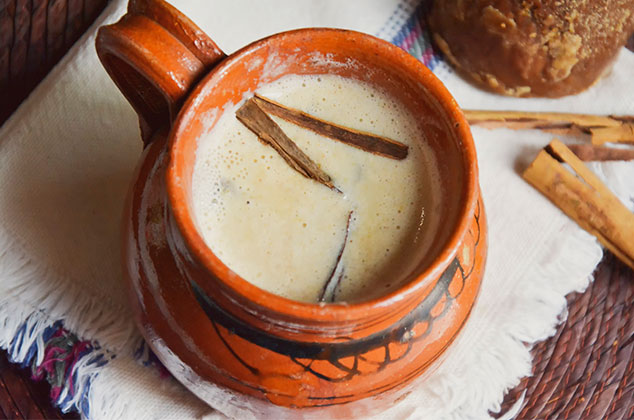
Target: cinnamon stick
(365,141)
(328,292)
(584,198)
(589,152)
(256,120)
(600,128)
(623,133)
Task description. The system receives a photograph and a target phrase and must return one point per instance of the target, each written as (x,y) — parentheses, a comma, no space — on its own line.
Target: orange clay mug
(240,348)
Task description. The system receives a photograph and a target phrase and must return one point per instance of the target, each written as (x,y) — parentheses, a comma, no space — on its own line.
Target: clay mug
(239,348)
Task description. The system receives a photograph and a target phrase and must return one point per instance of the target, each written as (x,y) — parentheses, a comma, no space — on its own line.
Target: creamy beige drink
(290,235)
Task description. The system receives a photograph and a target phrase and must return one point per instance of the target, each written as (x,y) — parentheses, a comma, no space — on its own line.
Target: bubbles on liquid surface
(248,202)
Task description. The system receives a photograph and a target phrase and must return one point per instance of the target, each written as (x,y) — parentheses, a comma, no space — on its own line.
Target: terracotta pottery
(236,346)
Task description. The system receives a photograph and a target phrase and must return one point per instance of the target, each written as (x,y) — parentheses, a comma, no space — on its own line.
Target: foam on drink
(283,232)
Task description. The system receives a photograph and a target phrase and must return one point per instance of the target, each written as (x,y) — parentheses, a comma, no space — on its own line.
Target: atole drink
(298,238)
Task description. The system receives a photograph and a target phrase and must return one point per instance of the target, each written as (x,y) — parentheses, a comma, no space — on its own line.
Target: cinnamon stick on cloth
(623,133)
(601,129)
(592,153)
(584,198)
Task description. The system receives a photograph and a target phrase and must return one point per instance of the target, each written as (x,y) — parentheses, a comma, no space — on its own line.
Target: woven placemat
(585,371)
(34,35)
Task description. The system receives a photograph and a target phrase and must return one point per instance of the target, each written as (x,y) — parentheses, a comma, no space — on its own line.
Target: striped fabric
(54,356)
(406,28)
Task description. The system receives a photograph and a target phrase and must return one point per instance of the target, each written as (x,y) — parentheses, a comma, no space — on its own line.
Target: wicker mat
(585,371)
(34,35)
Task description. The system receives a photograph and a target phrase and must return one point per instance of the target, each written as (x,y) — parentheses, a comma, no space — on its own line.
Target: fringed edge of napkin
(44,324)
(497,363)
(503,358)
(44,328)
(565,266)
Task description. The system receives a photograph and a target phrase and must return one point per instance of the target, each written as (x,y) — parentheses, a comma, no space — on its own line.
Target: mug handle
(155,55)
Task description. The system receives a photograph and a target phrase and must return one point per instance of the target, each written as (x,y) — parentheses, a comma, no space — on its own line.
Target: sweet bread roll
(546,48)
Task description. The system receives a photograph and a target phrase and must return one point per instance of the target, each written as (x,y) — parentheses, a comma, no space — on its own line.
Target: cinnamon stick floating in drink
(601,129)
(360,139)
(256,120)
(584,198)
(328,292)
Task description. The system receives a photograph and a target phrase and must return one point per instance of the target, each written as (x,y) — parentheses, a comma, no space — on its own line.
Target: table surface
(586,370)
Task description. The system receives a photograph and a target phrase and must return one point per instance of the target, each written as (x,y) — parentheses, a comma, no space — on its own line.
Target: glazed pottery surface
(231,343)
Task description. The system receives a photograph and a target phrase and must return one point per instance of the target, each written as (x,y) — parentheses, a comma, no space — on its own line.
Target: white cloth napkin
(66,160)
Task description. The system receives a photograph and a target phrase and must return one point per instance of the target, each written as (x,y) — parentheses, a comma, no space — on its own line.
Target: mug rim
(337,311)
